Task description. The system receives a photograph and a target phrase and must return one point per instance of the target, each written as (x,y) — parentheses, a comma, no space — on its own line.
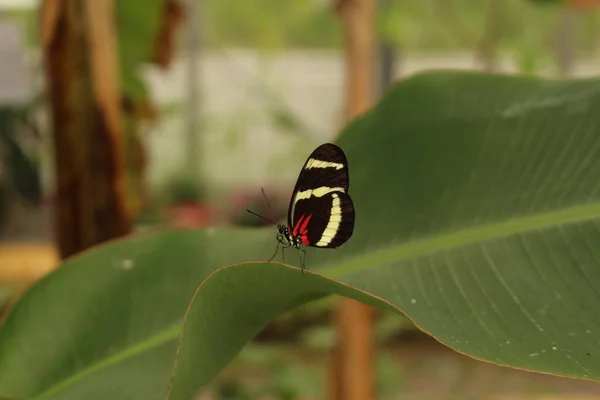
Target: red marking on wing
(296,229)
(303,228)
(304,240)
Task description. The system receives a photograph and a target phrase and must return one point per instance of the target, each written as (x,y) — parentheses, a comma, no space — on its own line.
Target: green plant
(19,138)
(183,189)
(477,217)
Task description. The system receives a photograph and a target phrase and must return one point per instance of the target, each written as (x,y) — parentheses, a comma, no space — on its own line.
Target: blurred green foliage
(413,24)
(545,2)
(183,189)
(138,23)
(273,24)
(19,137)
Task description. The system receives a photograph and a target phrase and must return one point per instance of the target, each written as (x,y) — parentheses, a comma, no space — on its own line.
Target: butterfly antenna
(273,214)
(265,218)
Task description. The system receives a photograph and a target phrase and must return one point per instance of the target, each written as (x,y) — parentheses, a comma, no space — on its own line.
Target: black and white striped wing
(321,211)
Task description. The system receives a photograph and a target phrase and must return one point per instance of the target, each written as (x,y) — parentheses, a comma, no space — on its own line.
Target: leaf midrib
(394,253)
(462,237)
(151,342)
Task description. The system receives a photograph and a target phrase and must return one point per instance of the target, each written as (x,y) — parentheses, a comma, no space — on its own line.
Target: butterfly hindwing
(321,212)
(329,222)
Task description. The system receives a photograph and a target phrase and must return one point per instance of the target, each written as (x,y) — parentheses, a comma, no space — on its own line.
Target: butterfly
(321,212)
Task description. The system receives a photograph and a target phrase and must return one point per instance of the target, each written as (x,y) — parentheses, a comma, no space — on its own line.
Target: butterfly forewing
(321,212)
(326,169)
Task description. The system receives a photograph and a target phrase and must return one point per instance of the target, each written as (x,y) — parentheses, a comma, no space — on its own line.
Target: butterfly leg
(283,251)
(274,254)
(302,260)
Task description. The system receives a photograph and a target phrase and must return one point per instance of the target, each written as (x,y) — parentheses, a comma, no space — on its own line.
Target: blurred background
(215,99)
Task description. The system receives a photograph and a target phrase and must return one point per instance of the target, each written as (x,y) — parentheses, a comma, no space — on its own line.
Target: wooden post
(351,375)
(80,59)
(193,144)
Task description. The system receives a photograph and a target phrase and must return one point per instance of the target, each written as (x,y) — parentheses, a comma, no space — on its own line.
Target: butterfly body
(321,212)
(286,234)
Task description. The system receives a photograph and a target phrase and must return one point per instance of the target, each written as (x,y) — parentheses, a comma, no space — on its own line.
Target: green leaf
(478,208)
(106,322)
(138,24)
(252,302)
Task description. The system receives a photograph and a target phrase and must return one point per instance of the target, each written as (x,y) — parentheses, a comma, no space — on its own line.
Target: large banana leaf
(477,201)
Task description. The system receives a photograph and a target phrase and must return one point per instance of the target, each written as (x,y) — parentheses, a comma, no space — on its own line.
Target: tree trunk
(80,57)
(351,376)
